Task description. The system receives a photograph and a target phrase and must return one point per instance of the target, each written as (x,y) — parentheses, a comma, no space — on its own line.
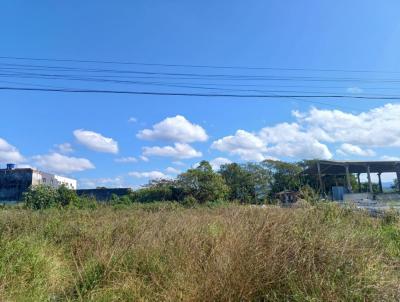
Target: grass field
(168,253)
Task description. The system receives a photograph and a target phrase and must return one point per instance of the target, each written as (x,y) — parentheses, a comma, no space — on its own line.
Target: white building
(55,181)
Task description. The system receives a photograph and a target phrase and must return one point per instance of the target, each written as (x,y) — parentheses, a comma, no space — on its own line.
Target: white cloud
(349,149)
(144,158)
(244,144)
(354,90)
(284,139)
(90,183)
(178,163)
(378,127)
(178,151)
(175,129)
(129,159)
(64,148)
(96,141)
(9,153)
(390,158)
(216,163)
(172,170)
(58,163)
(290,140)
(149,175)
(132,120)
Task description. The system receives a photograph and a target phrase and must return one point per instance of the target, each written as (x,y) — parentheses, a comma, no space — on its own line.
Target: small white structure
(52,180)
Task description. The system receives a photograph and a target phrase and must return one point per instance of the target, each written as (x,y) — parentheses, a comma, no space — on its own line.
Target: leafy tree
(261,179)
(203,183)
(66,196)
(286,176)
(247,183)
(158,190)
(239,182)
(41,197)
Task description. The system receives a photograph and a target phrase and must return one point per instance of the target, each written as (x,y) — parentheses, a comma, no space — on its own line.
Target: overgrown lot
(163,252)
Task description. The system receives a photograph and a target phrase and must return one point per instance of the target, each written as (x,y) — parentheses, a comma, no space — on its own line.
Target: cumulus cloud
(9,153)
(290,140)
(178,151)
(58,163)
(172,170)
(64,148)
(149,175)
(284,139)
(129,159)
(378,127)
(244,144)
(90,183)
(216,163)
(349,149)
(175,129)
(95,141)
(132,120)
(144,158)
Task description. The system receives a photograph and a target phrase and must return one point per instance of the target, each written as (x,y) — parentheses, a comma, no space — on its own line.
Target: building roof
(335,167)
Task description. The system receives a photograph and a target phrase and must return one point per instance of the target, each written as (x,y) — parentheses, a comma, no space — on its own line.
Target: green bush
(189,201)
(41,197)
(44,197)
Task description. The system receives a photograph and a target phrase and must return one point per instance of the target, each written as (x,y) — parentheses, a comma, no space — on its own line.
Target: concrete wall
(13,183)
(103,194)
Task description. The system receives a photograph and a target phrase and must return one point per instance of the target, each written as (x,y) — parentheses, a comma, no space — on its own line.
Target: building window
(44,180)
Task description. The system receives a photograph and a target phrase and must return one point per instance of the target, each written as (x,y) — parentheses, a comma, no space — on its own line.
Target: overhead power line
(199,65)
(188,94)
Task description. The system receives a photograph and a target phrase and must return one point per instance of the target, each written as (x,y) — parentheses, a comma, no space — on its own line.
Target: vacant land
(167,253)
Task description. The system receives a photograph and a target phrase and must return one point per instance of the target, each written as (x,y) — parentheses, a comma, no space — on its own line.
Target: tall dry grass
(236,253)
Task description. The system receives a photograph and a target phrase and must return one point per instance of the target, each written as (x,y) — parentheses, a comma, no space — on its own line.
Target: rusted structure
(322,168)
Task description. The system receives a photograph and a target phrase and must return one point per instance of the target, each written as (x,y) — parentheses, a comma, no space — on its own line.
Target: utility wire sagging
(91,76)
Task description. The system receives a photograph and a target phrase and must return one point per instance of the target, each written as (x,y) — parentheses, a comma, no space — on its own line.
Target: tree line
(252,183)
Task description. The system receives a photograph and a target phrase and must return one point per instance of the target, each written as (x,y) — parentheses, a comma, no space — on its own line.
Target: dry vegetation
(167,253)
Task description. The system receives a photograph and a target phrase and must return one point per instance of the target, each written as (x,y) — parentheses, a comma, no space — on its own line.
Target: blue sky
(102,136)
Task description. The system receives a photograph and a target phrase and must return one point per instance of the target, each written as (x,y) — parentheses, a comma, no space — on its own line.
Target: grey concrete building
(14,182)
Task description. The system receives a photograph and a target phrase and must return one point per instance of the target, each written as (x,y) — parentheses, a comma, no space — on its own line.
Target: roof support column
(349,188)
(369,179)
(398,178)
(359,183)
(380,183)
(321,185)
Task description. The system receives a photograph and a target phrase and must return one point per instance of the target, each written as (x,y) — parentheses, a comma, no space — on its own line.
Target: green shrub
(44,197)
(41,197)
(189,201)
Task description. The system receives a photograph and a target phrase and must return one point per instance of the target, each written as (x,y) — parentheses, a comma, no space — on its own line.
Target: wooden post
(321,185)
(359,183)
(380,183)
(369,179)
(349,188)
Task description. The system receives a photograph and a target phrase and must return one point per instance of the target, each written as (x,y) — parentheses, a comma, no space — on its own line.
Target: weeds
(166,252)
